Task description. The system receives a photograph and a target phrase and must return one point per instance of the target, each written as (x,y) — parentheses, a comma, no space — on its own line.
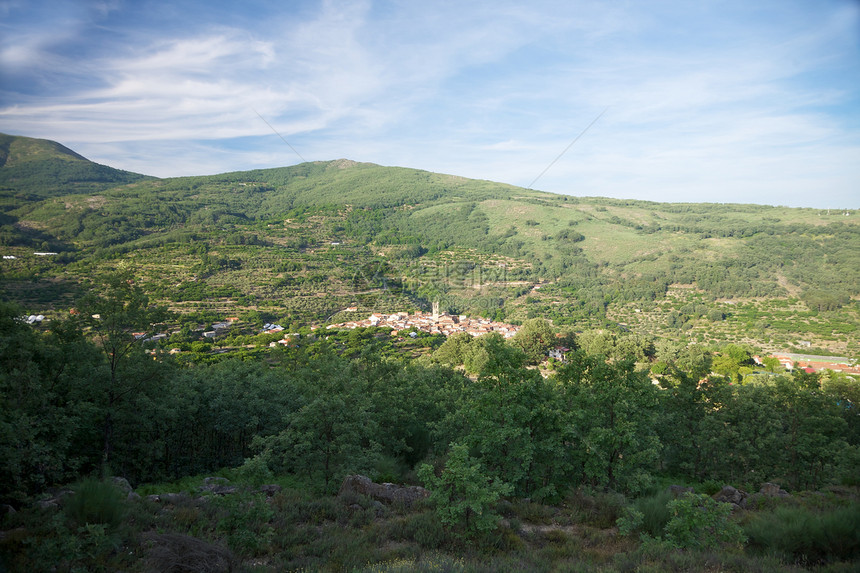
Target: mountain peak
(16,149)
(44,168)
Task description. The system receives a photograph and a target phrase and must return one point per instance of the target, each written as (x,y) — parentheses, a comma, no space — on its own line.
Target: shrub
(655,512)
(96,502)
(599,509)
(175,552)
(799,534)
(700,522)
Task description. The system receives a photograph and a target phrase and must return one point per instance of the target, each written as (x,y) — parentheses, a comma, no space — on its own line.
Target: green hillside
(626,426)
(38,168)
(301,243)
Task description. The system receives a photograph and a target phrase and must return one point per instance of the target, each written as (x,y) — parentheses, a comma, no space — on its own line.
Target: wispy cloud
(707,101)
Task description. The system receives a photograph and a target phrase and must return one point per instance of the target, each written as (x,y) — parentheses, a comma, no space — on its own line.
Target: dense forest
(530,462)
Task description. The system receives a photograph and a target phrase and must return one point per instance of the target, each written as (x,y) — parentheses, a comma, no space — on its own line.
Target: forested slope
(277,237)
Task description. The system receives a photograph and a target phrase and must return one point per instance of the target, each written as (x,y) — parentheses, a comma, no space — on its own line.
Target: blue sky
(705,101)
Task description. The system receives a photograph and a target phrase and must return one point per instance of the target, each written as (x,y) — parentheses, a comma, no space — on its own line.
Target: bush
(799,534)
(175,552)
(700,522)
(655,512)
(599,509)
(96,502)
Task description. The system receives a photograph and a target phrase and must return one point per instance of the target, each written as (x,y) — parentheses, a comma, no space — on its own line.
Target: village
(433,322)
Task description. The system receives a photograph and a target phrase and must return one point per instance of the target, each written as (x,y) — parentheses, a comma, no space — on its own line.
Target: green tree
(614,413)
(741,435)
(454,350)
(813,434)
(597,342)
(514,423)
(45,410)
(535,337)
(695,361)
(684,406)
(332,432)
(464,492)
(119,318)
(771,363)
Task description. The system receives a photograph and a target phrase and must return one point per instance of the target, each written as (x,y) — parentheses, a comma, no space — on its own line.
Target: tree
(514,423)
(454,350)
(44,411)
(813,433)
(771,363)
(333,430)
(614,415)
(464,493)
(597,342)
(684,406)
(119,319)
(534,338)
(741,434)
(695,361)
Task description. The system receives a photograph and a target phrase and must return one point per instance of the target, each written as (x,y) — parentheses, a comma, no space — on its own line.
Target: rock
(122,484)
(386,492)
(173,498)
(678,491)
(225,489)
(58,495)
(132,496)
(218,486)
(772,490)
(731,495)
(7,509)
(270,489)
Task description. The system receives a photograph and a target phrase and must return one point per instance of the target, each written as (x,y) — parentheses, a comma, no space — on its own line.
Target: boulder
(122,484)
(58,495)
(678,490)
(217,486)
(385,492)
(772,490)
(270,489)
(731,495)
(172,498)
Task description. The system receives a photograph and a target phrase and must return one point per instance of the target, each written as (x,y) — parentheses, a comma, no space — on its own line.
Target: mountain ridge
(300,239)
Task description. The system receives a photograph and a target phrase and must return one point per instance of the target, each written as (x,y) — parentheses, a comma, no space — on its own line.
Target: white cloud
(703,99)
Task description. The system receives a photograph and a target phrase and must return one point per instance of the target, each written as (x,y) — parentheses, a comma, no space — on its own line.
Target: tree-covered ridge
(279,237)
